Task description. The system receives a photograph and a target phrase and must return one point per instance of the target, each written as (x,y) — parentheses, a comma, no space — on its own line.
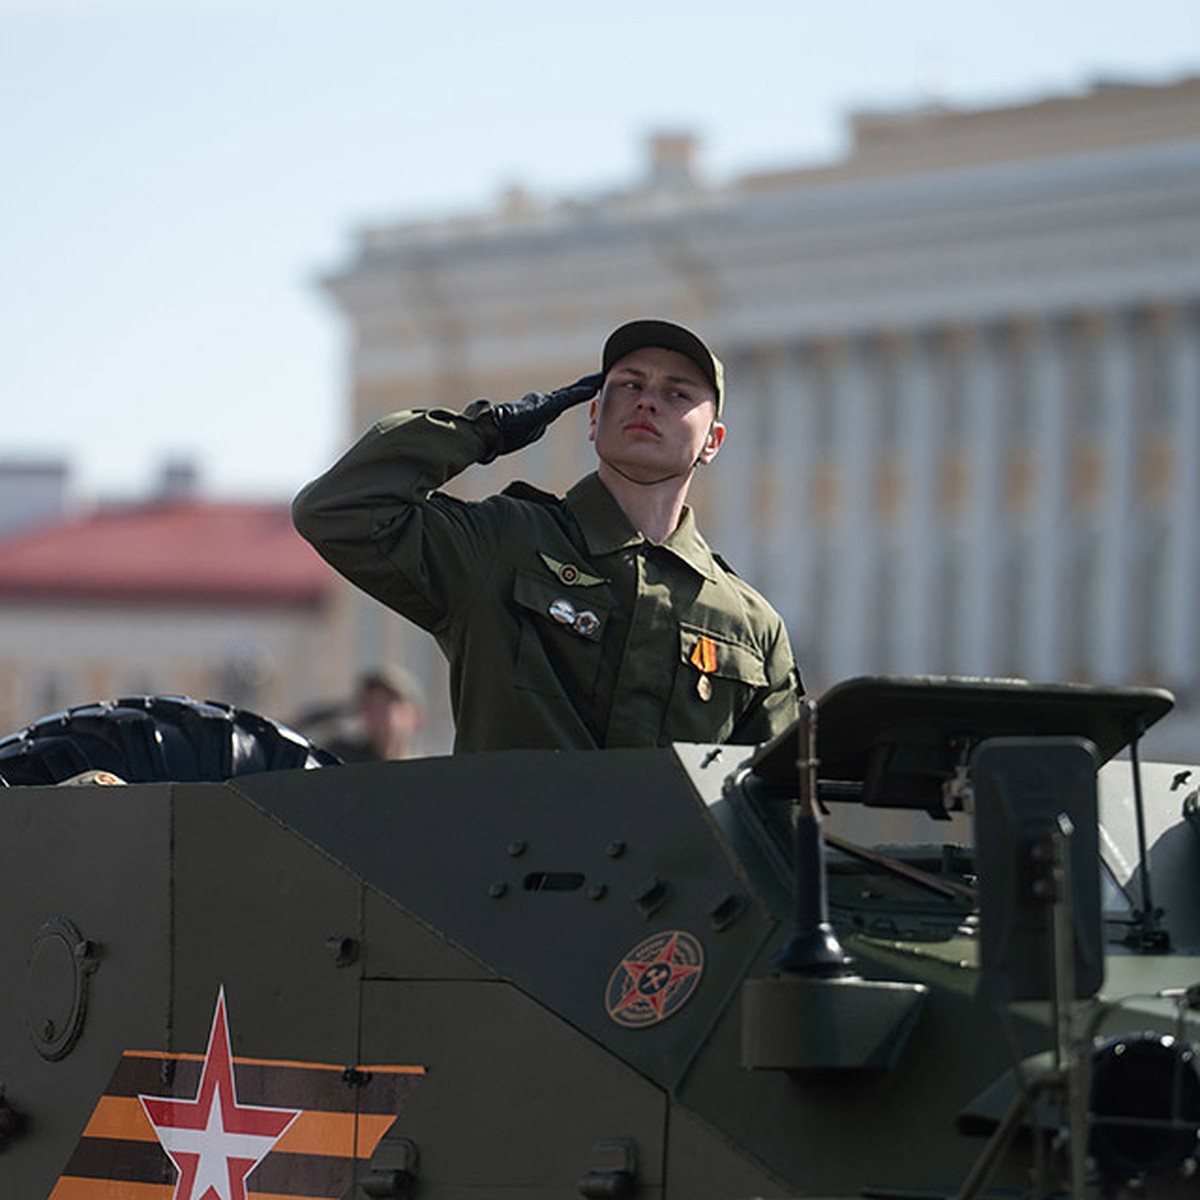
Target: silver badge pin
(586,623)
(563,611)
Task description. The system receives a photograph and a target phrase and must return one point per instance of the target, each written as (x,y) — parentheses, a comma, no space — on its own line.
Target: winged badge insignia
(570,574)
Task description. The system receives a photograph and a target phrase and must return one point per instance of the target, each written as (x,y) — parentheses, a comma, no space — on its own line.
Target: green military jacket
(563,626)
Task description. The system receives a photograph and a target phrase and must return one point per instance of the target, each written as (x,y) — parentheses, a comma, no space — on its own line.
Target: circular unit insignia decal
(655,979)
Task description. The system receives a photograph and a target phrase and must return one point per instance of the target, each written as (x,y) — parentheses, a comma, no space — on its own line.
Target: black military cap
(636,335)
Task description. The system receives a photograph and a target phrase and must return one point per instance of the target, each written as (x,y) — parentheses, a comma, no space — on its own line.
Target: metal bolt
(497,890)
(615,849)
(345,949)
(517,847)
(597,891)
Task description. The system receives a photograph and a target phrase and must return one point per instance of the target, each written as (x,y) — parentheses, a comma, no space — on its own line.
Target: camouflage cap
(635,335)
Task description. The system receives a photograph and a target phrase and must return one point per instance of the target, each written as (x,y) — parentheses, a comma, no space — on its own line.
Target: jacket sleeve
(377,518)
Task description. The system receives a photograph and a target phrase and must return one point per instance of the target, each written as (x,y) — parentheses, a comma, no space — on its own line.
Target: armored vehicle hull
(552,974)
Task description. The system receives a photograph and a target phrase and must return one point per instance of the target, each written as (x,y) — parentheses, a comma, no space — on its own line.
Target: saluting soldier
(598,619)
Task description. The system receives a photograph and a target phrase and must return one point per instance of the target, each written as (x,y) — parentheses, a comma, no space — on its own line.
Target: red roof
(177,551)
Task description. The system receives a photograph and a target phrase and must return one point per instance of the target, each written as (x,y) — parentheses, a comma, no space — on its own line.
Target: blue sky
(177,174)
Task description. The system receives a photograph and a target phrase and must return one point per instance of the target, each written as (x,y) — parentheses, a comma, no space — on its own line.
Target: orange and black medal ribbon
(704,659)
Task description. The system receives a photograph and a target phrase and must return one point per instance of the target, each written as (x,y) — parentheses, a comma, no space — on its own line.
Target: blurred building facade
(32,492)
(177,595)
(963,371)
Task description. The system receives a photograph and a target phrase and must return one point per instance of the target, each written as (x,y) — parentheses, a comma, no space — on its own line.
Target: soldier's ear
(712,443)
(593,415)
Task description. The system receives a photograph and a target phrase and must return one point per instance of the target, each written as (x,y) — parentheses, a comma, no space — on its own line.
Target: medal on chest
(704,659)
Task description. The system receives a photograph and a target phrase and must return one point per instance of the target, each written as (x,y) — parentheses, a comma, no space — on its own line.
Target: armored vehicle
(939,939)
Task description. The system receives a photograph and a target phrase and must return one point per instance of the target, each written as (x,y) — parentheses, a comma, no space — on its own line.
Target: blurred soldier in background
(387,712)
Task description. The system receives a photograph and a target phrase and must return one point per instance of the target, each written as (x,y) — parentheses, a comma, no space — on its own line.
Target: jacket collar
(606,528)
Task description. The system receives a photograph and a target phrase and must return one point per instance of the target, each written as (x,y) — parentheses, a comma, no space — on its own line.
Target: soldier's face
(655,415)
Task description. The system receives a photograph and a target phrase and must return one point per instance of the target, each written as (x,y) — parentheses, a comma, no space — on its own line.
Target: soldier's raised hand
(519,422)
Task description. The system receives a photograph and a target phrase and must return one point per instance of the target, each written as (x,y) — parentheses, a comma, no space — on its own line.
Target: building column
(916,597)
(1041,652)
(854,534)
(1177,641)
(786,459)
(1110,635)
(813,366)
(983,527)
(726,484)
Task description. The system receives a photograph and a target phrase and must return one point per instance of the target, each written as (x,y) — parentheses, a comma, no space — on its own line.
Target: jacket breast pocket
(561,635)
(716,681)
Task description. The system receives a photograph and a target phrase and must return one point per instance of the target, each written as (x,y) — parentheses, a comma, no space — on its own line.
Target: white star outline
(214,1141)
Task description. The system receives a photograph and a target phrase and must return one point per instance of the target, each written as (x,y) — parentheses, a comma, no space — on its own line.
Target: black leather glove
(519,422)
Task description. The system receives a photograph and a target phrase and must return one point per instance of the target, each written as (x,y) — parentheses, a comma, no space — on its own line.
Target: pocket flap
(730,660)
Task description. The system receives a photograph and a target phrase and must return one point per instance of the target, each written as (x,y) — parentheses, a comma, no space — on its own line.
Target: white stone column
(1177,641)
(854,534)
(916,597)
(813,369)
(984,531)
(1109,638)
(1041,650)
(730,522)
(787,462)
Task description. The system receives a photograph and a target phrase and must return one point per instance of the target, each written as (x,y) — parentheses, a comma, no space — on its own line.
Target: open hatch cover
(894,741)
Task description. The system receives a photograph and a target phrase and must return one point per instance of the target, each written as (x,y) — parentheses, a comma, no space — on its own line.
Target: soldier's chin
(645,473)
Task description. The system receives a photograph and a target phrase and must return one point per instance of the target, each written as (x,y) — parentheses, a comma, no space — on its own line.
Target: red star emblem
(214,1141)
(655,979)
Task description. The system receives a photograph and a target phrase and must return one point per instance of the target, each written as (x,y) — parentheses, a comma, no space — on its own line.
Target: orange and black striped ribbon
(343,1117)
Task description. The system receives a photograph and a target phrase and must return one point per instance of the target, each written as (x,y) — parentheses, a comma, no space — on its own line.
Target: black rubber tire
(147,739)
(1143,1078)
